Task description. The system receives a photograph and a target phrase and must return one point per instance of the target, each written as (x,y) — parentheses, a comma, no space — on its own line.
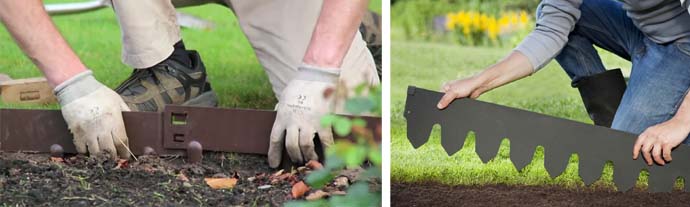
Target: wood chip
(299,189)
(280,172)
(319,194)
(182,177)
(339,193)
(122,163)
(263,187)
(221,183)
(57,159)
(314,165)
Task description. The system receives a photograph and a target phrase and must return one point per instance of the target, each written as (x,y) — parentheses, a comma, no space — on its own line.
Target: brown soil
(434,194)
(35,180)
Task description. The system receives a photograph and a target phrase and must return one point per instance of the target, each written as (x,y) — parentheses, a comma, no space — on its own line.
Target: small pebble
(319,194)
(342,182)
(186,185)
(251,179)
(263,187)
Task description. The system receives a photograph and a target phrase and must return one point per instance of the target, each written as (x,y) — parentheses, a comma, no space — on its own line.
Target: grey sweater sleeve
(555,22)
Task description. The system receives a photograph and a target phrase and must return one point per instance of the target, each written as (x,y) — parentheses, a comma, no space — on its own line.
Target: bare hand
(656,142)
(461,88)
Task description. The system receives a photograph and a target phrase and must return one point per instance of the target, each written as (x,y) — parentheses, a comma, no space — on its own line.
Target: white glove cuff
(313,73)
(76,87)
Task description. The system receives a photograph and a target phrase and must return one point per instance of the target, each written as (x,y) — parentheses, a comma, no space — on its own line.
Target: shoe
(169,82)
(601,94)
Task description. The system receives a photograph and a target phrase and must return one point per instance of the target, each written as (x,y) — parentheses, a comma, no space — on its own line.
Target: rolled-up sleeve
(555,21)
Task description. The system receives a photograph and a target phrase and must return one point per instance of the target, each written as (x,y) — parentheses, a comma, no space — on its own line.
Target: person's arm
(35,33)
(92,111)
(513,67)
(657,141)
(336,27)
(302,103)
(557,19)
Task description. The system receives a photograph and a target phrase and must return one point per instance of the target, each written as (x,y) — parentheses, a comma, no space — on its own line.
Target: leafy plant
(346,154)
(425,19)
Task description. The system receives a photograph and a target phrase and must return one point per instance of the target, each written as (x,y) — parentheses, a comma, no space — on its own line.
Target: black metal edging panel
(526,130)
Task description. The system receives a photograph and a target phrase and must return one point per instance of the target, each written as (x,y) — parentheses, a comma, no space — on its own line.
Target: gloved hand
(300,108)
(93,114)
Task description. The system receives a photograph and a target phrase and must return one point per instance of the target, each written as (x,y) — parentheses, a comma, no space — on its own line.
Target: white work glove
(93,114)
(300,108)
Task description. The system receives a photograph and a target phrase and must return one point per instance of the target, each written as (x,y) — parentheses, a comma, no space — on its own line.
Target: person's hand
(657,141)
(461,88)
(300,108)
(93,114)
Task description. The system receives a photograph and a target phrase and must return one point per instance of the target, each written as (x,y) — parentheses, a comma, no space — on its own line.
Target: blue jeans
(660,75)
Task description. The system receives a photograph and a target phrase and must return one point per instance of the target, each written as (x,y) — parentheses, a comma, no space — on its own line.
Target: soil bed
(36,180)
(434,194)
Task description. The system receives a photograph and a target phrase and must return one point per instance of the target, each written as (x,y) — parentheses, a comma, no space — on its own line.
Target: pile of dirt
(38,180)
(434,194)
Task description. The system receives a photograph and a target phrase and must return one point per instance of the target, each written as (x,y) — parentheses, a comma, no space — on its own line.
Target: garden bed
(435,194)
(38,180)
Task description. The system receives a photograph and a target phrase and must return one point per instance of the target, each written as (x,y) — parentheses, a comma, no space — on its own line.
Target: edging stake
(149,151)
(194,150)
(56,150)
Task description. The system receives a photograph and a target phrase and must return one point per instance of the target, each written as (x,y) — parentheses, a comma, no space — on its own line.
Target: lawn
(236,75)
(429,65)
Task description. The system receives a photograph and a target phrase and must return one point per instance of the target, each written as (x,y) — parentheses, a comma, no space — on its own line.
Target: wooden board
(29,90)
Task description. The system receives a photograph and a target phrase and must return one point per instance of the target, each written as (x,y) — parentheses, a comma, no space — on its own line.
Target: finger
(445,87)
(275,147)
(667,153)
(445,100)
(646,148)
(656,153)
(124,107)
(121,142)
(475,94)
(92,143)
(292,144)
(105,143)
(79,140)
(326,137)
(638,146)
(306,144)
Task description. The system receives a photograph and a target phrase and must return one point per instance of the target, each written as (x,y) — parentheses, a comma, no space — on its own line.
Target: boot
(601,94)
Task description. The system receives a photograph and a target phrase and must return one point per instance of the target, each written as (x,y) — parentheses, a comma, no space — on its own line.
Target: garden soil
(434,194)
(38,180)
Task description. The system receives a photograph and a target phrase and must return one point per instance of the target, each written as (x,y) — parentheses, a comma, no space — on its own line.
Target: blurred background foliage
(466,22)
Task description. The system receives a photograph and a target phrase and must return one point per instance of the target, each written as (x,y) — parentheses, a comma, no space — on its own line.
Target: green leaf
(319,178)
(316,203)
(333,162)
(354,156)
(357,195)
(372,172)
(360,88)
(359,122)
(342,126)
(375,155)
(359,105)
(328,119)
